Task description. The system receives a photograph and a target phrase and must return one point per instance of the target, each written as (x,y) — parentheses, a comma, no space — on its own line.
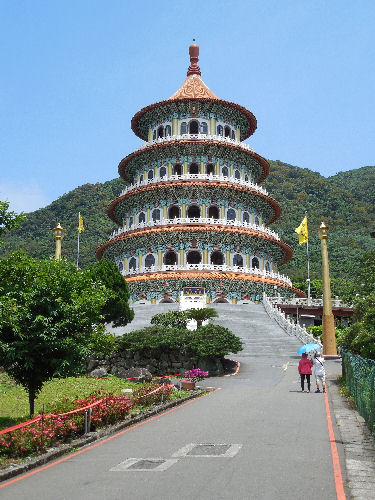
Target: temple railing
(189,177)
(205,137)
(201,220)
(286,324)
(304,302)
(210,267)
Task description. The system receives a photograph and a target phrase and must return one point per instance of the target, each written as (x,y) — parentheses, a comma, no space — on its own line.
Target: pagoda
(194,213)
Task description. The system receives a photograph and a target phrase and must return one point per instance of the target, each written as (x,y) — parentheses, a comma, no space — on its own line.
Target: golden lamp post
(329,339)
(58,233)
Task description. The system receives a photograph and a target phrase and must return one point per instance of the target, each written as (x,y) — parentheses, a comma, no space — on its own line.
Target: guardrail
(286,324)
(196,220)
(306,302)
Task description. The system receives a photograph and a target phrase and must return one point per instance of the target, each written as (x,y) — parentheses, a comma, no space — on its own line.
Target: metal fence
(359,376)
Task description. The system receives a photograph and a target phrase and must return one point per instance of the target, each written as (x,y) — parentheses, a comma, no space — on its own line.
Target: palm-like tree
(201,315)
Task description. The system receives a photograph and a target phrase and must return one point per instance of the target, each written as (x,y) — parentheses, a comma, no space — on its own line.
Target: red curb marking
(24,476)
(237,369)
(340,492)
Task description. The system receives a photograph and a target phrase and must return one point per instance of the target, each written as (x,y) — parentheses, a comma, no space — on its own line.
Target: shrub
(213,341)
(171,319)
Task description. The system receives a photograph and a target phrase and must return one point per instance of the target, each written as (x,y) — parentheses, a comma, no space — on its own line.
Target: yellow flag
(302,231)
(80,224)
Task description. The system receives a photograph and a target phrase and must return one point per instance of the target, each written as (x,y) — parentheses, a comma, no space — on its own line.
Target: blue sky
(73,73)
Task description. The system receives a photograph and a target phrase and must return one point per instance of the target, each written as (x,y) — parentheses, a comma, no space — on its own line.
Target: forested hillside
(345,201)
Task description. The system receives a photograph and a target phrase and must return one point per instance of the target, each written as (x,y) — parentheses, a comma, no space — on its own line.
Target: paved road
(274,440)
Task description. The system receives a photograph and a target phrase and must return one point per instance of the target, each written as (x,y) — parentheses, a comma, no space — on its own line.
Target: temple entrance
(174,212)
(170,258)
(193,127)
(177,169)
(194,169)
(193,257)
(217,258)
(213,212)
(193,212)
(210,169)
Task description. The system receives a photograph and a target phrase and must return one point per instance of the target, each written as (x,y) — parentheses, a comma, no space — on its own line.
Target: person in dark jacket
(304,369)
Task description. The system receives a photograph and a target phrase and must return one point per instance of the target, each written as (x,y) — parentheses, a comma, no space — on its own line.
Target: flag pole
(79,218)
(308,268)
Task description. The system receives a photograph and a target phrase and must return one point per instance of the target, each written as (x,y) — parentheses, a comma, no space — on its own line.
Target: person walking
(304,369)
(320,372)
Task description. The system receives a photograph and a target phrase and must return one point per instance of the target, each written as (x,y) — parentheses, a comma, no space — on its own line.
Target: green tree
(9,220)
(201,315)
(116,309)
(50,320)
(171,319)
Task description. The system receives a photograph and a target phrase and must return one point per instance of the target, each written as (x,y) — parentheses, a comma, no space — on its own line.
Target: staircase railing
(292,329)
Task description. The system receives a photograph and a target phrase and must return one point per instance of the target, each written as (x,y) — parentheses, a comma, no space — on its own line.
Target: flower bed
(45,431)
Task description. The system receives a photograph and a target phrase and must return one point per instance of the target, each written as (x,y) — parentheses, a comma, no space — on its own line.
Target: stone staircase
(262,336)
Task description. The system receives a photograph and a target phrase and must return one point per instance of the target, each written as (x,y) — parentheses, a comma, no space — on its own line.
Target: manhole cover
(209,449)
(144,464)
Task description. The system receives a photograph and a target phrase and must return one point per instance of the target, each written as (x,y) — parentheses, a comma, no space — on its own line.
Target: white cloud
(24,198)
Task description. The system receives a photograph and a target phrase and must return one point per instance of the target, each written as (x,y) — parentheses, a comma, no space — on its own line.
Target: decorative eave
(192,183)
(208,275)
(205,147)
(248,115)
(165,230)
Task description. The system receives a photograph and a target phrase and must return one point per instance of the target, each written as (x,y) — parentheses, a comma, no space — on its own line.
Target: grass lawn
(14,404)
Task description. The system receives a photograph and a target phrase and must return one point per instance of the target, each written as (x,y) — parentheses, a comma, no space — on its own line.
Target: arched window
(238,260)
(193,127)
(168,130)
(267,266)
(220,130)
(233,135)
(141,178)
(142,217)
(149,260)
(131,220)
(210,169)
(204,128)
(161,131)
(183,128)
(193,212)
(224,171)
(154,135)
(162,172)
(256,220)
(170,258)
(132,263)
(231,214)
(193,257)
(156,214)
(246,178)
(177,169)
(246,217)
(193,168)
(226,131)
(174,212)
(217,258)
(255,263)
(237,174)
(150,174)
(213,212)
(120,266)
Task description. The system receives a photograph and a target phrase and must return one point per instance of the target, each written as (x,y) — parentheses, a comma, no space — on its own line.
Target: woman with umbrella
(305,364)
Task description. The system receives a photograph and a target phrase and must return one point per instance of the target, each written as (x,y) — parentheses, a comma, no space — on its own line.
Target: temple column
(262,263)
(239,212)
(248,260)
(205,256)
(125,265)
(222,212)
(175,126)
(182,257)
(217,168)
(169,169)
(227,258)
(140,260)
(204,214)
(183,210)
(185,167)
(231,171)
(160,258)
(234,301)
(212,126)
(148,215)
(153,301)
(202,167)
(164,211)
(149,134)
(237,134)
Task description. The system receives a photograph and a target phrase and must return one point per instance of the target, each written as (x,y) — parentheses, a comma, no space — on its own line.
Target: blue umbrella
(308,348)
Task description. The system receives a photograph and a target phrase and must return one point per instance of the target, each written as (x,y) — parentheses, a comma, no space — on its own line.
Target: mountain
(346,201)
